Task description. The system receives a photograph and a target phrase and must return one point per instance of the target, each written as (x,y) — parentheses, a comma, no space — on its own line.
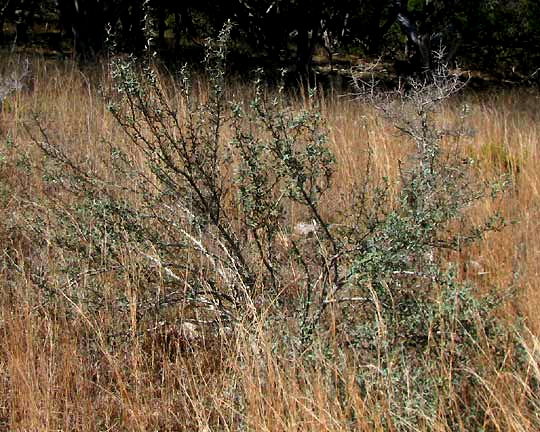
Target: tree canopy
(500,36)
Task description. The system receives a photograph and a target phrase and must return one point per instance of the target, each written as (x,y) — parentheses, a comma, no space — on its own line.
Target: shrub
(203,220)
(194,219)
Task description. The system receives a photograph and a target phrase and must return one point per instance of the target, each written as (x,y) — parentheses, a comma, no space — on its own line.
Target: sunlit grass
(52,378)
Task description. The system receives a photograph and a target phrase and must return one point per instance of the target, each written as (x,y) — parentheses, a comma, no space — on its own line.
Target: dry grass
(59,370)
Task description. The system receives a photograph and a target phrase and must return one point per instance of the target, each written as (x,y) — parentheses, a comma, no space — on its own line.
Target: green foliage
(203,229)
(490,35)
(423,329)
(503,37)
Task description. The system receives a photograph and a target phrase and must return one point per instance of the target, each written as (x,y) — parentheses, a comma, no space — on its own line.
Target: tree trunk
(85,20)
(307,39)
(421,43)
(24,19)
(2,35)
(161,16)
(302,51)
(378,29)
(3,11)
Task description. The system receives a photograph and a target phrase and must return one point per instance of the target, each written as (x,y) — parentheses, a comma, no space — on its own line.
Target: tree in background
(21,13)
(85,21)
(428,25)
(5,8)
(502,35)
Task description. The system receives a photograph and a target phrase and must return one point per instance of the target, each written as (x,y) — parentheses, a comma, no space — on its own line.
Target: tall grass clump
(209,217)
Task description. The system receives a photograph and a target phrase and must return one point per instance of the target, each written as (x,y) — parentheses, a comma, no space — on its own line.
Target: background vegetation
(495,36)
(183,249)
